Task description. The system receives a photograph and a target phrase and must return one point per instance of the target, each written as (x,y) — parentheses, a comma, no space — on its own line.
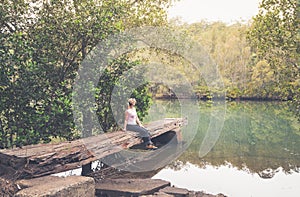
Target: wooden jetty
(45,159)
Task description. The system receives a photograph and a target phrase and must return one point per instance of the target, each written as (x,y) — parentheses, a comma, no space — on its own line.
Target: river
(253,151)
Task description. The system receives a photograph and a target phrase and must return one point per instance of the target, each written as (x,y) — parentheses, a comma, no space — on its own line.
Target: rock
(202,194)
(177,192)
(158,194)
(51,186)
(129,187)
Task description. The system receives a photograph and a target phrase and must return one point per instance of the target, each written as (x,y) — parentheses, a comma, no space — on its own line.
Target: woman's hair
(131,101)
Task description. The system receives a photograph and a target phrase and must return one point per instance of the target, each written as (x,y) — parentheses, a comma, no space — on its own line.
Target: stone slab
(158,194)
(52,186)
(177,192)
(129,187)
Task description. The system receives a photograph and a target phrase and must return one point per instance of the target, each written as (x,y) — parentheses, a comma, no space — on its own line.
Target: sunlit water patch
(231,181)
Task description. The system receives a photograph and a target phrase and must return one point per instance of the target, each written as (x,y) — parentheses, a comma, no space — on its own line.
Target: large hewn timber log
(44,159)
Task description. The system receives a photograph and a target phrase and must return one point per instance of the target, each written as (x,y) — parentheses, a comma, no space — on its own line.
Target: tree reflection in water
(258,136)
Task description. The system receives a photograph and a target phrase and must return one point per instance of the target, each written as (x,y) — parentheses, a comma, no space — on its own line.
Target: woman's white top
(132,116)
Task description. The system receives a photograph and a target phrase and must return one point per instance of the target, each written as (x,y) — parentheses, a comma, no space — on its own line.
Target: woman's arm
(125,120)
(139,122)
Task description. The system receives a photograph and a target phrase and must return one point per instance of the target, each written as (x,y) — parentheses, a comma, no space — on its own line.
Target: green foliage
(106,89)
(144,100)
(259,60)
(42,46)
(274,37)
(229,50)
(263,81)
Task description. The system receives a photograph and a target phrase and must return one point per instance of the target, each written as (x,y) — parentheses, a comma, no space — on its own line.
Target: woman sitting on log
(132,123)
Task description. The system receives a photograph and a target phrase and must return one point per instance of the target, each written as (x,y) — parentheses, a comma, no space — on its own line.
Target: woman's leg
(143,133)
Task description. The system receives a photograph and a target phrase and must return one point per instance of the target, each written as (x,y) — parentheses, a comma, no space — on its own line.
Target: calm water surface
(257,152)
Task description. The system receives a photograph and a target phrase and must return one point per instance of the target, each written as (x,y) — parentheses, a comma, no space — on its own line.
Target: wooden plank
(44,159)
(140,161)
